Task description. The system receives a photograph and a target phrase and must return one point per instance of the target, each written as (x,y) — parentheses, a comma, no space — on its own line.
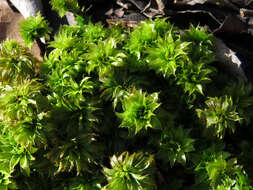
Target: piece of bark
(228,59)
(161,6)
(123,4)
(109,12)
(147,6)
(151,12)
(190,2)
(119,12)
(146,10)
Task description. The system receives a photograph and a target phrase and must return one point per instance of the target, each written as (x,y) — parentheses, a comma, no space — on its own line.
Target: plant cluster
(34,28)
(123,109)
(63,6)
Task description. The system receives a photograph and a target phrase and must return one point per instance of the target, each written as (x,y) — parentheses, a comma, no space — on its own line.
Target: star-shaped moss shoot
(139,111)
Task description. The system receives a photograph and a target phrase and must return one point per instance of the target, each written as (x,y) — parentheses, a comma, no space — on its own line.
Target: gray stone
(28,7)
(229,59)
(70,18)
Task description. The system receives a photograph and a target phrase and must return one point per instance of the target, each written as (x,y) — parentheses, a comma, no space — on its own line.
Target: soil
(9,27)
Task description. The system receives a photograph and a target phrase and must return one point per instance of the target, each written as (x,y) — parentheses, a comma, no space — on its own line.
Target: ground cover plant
(123,109)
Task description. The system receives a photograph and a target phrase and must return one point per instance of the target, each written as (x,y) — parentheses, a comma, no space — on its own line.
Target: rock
(70,18)
(228,59)
(28,7)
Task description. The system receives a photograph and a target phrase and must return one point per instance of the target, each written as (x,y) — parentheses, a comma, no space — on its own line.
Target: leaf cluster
(219,114)
(130,172)
(222,171)
(138,111)
(107,104)
(16,62)
(34,28)
(175,146)
(63,6)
